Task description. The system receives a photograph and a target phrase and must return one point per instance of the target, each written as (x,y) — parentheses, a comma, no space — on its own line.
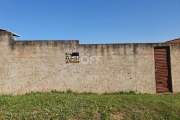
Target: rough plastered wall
(120,67)
(175,66)
(5,61)
(40,66)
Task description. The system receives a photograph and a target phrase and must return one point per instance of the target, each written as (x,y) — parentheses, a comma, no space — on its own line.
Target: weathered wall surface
(175,67)
(121,67)
(5,60)
(40,66)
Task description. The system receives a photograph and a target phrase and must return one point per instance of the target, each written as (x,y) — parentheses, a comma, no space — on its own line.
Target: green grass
(69,105)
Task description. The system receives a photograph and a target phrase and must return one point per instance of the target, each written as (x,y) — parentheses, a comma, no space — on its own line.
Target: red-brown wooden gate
(162,69)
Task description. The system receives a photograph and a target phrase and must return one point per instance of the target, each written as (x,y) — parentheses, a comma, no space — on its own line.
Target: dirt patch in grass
(136,110)
(119,115)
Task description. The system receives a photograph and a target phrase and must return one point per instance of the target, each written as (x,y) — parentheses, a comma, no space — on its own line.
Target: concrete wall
(175,66)
(40,66)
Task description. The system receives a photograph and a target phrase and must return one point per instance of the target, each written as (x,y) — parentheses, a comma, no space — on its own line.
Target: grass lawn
(69,105)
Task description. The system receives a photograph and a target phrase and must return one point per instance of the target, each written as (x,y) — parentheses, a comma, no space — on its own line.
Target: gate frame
(169,67)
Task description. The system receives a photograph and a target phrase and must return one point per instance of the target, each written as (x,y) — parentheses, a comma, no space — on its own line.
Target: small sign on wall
(72,57)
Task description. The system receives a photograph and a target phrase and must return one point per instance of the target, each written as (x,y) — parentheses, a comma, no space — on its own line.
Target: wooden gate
(162,69)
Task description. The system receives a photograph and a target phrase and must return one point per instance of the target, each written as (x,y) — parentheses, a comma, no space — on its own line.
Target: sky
(92,21)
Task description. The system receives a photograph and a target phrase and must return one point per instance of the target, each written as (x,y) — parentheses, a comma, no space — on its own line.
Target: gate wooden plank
(161,70)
